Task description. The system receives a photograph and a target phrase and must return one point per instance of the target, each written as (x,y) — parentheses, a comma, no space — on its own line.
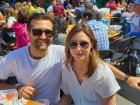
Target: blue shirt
(101,34)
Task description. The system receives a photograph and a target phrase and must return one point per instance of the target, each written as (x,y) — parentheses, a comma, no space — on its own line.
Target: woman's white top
(102,84)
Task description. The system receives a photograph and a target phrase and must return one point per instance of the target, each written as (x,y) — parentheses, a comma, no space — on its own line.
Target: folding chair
(106,54)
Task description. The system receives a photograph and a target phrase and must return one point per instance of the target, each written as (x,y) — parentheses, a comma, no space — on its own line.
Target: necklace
(80,73)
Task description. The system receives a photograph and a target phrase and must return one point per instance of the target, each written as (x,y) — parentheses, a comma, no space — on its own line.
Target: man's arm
(4,85)
(65,100)
(23,91)
(118,73)
(133,82)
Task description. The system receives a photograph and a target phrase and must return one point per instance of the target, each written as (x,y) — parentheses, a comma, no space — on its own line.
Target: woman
(20,28)
(85,77)
(58,9)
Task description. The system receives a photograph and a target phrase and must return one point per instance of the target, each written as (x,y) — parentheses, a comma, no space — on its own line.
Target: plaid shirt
(101,34)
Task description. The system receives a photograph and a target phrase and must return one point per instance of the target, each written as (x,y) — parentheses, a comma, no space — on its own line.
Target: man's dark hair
(88,13)
(38,16)
(92,14)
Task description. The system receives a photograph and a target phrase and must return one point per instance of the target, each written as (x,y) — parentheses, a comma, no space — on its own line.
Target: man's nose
(43,36)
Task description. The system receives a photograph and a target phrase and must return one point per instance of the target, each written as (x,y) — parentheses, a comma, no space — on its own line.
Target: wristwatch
(126,77)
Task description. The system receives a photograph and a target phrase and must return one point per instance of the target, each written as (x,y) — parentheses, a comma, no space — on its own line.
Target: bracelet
(126,77)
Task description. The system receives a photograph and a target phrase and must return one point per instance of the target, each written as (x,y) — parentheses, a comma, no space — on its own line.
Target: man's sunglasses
(82,44)
(39,32)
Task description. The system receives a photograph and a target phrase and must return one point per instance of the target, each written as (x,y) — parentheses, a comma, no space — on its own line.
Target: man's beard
(41,46)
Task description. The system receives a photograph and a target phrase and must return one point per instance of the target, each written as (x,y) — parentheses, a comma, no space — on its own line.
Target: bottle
(138,70)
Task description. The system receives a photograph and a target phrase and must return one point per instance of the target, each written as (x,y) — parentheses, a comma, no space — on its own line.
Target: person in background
(20,28)
(67,5)
(31,9)
(60,28)
(18,6)
(85,77)
(59,9)
(50,8)
(7,33)
(99,29)
(79,11)
(135,25)
(111,4)
(2,21)
(10,16)
(12,3)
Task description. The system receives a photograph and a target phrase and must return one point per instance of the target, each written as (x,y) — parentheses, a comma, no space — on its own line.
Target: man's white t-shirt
(43,74)
(102,84)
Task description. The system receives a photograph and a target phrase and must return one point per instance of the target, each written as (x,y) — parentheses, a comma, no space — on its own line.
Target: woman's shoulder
(103,68)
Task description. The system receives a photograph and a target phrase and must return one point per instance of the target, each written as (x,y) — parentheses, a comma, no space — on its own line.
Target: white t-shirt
(135,24)
(135,27)
(43,74)
(101,84)
(11,20)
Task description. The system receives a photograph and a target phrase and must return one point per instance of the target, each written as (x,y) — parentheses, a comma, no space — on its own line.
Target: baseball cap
(137,2)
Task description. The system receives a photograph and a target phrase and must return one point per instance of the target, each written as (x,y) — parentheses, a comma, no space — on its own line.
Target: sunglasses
(39,32)
(83,44)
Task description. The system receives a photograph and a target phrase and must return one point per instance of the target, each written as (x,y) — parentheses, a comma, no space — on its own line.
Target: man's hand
(134,82)
(26,92)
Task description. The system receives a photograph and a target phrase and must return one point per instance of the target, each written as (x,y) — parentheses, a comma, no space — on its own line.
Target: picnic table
(113,35)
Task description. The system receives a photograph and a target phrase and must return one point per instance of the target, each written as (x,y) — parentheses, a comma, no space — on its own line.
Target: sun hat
(137,2)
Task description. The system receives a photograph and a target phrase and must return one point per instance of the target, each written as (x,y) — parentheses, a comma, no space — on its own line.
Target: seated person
(135,25)
(111,4)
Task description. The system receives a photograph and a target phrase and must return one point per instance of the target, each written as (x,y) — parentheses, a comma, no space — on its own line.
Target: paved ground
(120,100)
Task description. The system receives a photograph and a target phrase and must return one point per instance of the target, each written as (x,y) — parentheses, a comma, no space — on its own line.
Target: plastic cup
(44,101)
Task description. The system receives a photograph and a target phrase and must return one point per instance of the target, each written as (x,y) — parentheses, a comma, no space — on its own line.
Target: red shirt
(58,10)
(112,6)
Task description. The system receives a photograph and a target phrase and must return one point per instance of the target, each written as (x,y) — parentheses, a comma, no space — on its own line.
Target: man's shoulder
(18,51)
(96,24)
(14,55)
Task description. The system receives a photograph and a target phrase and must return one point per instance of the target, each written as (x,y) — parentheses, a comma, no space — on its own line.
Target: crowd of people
(58,49)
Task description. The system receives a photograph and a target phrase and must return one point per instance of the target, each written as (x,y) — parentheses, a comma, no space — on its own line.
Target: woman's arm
(110,100)
(65,100)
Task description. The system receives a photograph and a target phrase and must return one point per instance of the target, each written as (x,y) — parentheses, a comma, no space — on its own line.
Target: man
(79,11)
(37,67)
(99,29)
(135,25)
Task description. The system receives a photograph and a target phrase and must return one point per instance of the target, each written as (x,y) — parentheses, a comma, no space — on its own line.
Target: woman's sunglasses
(82,44)
(39,32)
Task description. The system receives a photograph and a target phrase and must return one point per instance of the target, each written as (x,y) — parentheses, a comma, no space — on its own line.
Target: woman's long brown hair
(94,58)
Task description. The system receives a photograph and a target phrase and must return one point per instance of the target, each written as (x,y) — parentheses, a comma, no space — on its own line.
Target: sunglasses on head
(82,44)
(39,32)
